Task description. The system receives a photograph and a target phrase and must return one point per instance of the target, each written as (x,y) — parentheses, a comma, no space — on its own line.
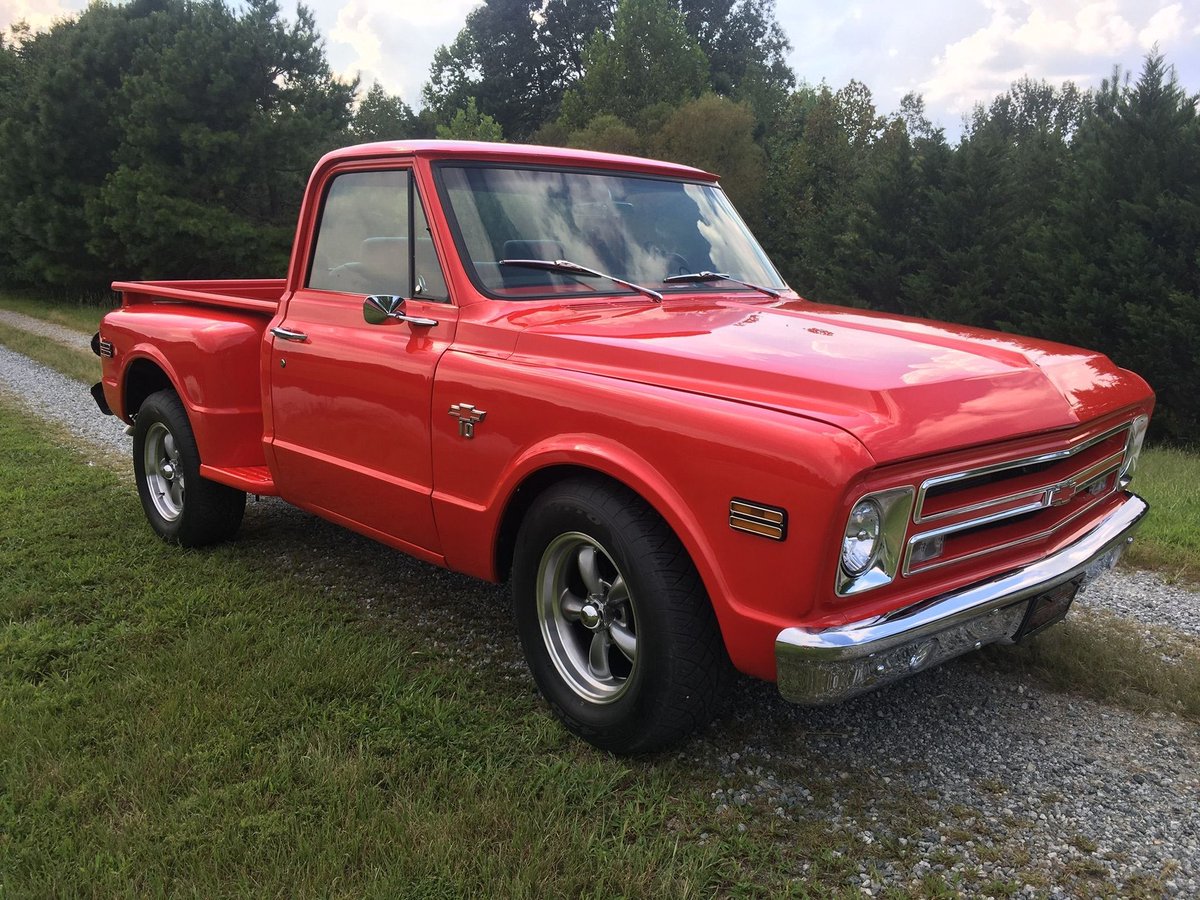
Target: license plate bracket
(1047,608)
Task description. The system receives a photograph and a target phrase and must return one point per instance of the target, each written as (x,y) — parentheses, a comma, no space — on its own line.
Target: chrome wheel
(587,617)
(163,471)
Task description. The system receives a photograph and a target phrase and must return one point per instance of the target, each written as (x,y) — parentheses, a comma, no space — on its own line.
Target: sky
(955,54)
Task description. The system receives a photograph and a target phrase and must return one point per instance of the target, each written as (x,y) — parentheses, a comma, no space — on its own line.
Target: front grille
(1003,505)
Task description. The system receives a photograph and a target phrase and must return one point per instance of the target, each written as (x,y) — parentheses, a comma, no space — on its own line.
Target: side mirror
(378,308)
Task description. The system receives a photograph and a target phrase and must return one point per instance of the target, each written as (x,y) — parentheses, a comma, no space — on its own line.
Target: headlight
(1133,448)
(873,540)
(860,546)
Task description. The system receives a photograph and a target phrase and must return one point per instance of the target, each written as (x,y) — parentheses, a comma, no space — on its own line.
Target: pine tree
(383,117)
(1133,224)
(649,59)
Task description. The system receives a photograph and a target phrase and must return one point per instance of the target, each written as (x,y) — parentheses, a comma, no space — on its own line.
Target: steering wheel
(677,263)
(350,277)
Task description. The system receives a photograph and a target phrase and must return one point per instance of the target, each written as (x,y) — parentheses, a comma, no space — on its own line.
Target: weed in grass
(1082,843)
(1020,858)
(1086,869)
(1000,888)
(935,886)
(993,786)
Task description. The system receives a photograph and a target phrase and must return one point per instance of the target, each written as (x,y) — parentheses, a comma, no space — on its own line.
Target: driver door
(350,401)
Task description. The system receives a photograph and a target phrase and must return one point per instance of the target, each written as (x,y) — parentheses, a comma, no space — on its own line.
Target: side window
(363,244)
(362,238)
(431,283)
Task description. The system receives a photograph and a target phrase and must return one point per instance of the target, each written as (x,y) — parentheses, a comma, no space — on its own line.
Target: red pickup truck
(579,372)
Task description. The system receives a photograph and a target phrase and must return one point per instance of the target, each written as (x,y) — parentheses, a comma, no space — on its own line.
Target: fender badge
(468,416)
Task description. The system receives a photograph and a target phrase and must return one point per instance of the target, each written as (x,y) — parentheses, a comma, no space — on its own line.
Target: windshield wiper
(719,276)
(571,268)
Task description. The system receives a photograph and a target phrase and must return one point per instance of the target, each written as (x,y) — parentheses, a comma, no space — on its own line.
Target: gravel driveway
(964,773)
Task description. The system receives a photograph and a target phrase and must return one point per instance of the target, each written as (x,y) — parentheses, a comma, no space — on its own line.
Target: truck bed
(257,295)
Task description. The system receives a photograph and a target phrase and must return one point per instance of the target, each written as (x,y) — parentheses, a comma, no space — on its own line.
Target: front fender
(687,455)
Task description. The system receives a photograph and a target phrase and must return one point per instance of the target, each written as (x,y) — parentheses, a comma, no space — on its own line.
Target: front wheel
(614,620)
(182,507)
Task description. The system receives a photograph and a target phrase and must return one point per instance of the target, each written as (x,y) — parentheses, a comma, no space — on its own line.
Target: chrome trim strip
(1053,456)
(1048,498)
(984,520)
(812,664)
(754,511)
(1026,539)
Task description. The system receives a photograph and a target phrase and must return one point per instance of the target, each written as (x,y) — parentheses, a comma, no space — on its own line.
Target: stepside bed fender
(212,364)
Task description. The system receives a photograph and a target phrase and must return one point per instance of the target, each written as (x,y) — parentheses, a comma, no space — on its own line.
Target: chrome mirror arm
(378,308)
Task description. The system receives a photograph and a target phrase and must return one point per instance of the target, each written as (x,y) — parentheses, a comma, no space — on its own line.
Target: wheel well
(522,498)
(143,379)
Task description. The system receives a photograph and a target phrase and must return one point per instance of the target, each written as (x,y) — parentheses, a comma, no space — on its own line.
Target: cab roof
(524,154)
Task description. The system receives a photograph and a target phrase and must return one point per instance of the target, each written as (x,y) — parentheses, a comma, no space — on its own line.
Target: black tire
(674,681)
(182,507)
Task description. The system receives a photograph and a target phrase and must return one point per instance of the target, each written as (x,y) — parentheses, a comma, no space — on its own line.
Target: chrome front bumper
(818,667)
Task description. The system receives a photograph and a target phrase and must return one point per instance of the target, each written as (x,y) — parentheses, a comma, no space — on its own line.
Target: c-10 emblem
(468,416)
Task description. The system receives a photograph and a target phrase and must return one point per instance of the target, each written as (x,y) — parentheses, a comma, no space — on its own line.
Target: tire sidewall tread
(211,512)
(682,668)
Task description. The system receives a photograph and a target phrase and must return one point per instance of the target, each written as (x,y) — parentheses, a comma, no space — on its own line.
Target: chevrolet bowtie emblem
(1062,494)
(467,416)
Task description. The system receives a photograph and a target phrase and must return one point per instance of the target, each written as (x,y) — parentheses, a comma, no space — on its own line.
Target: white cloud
(1164,26)
(1051,39)
(1092,28)
(38,14)
(355,27)
(390,43)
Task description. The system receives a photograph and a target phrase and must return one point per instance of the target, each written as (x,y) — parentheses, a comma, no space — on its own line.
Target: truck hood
(904,387)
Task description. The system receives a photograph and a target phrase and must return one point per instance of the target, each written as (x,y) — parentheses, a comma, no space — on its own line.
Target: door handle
(285,334)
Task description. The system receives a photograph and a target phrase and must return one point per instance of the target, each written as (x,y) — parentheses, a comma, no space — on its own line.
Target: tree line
(168,138)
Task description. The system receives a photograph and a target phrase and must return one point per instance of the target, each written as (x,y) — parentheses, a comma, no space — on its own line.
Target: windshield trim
(615,291)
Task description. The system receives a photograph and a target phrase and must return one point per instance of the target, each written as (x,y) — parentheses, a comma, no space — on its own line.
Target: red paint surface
(707,397)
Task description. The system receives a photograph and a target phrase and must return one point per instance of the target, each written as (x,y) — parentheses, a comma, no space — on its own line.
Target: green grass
(78,314)
(1169,539)
(264,719)
(201,722)
(260,719)
(1108,658)
(80,364)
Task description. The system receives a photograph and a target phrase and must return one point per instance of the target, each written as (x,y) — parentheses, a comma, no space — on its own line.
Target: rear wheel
(182,507)
(617,628)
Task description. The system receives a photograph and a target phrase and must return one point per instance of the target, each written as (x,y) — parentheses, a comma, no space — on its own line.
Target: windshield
(640,229)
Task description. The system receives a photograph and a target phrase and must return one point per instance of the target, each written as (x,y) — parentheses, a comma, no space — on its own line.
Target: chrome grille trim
(994,468)
(1008,545)
(1044,496)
